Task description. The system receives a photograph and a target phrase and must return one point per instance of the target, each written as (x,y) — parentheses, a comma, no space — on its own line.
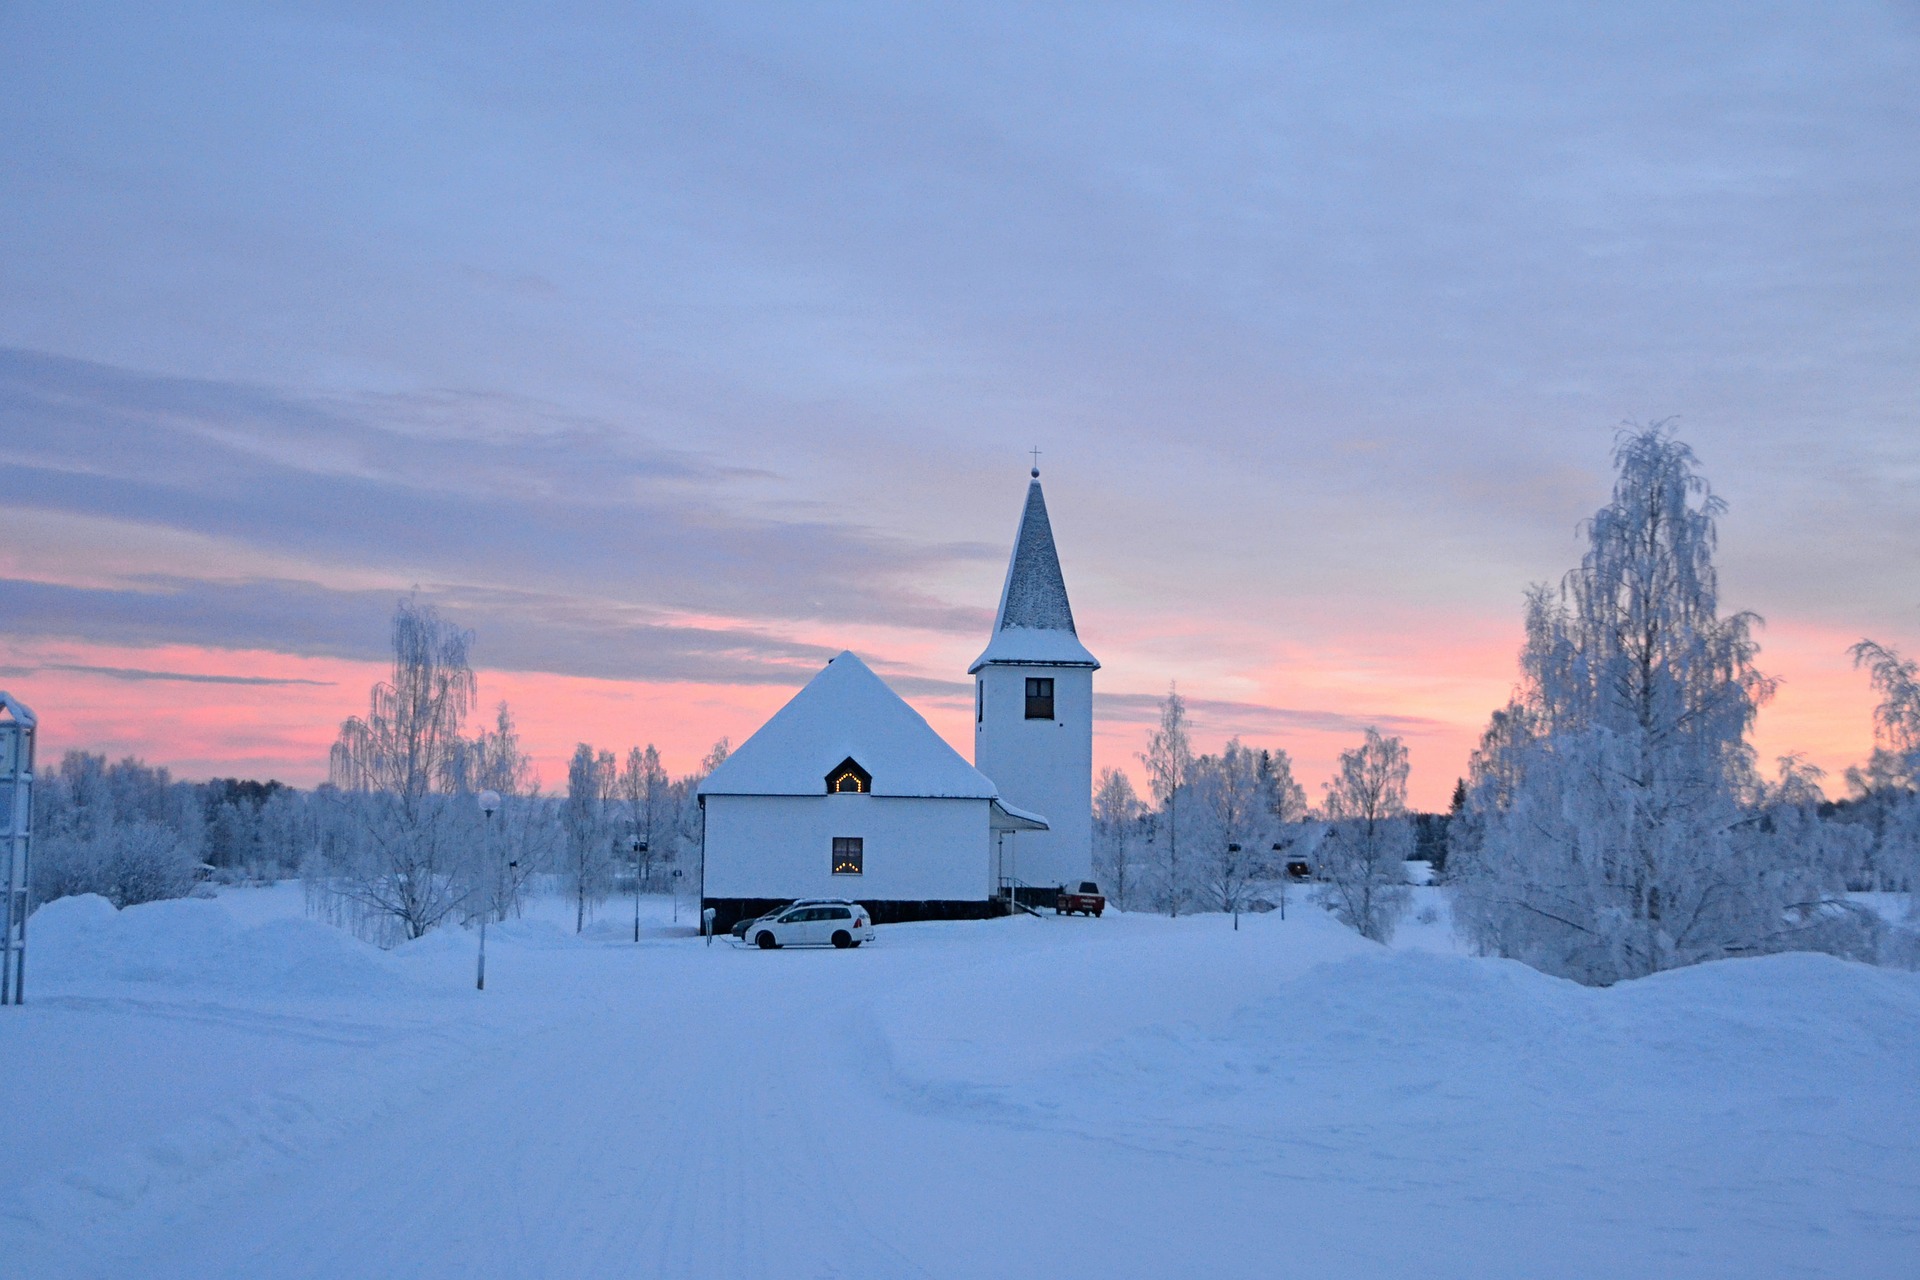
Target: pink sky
(283,731)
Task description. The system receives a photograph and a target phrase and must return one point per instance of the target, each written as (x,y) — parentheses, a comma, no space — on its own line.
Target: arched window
(848,778)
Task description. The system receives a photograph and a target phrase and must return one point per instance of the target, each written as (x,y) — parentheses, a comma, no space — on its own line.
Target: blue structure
(16,832)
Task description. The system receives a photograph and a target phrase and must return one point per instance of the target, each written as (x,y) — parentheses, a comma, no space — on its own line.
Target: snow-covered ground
(223,1088)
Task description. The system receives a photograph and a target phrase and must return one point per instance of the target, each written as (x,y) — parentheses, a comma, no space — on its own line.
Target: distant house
(848,793)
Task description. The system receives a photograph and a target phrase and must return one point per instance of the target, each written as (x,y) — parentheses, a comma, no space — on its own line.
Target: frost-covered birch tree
(1894,771)
(1362,854)
(1610,830)
(645,789)
(1232,825)
(1116,818)
(1169,758)
(402,863)
(591,783)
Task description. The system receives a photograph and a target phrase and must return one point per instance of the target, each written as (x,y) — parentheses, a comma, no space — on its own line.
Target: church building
(847,792)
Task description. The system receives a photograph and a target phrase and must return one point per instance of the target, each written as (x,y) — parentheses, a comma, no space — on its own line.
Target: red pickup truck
(1089,901)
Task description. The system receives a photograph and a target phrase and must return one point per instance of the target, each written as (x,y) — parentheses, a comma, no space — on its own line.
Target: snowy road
(1126,1097)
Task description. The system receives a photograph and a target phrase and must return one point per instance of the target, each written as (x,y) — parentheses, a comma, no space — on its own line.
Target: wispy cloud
(139,675)
(480,489)
(1220,715)
(515,630)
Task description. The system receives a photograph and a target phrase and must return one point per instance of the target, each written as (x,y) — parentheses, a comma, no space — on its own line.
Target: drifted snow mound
(1495,1084)
(1392,1030)
(82,942)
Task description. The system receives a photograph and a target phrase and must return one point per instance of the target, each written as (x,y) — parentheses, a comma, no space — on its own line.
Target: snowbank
(1380,1034)
(81,942)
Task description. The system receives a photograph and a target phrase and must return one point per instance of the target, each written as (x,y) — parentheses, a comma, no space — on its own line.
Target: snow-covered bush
(126,831)
(125,863)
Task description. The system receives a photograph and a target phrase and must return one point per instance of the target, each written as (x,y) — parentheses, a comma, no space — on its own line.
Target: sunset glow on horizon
(225,713)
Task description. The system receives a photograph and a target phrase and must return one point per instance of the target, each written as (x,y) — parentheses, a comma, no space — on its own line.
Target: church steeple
(1035,622)
(1035,594)
(1033,709)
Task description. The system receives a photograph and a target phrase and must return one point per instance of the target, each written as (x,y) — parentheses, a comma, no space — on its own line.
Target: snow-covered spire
(1035,622)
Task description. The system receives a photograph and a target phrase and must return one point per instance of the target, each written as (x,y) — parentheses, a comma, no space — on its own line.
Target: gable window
(849,855)
(1039,698)
(848,778)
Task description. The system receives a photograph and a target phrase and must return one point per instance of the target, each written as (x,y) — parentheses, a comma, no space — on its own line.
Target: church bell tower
(1033,708)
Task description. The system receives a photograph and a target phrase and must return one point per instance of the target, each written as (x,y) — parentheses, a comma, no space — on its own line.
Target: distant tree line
(1217,831)
(395,843)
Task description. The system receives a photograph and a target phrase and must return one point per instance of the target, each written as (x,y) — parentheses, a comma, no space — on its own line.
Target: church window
(980,702)
(1039,698)
(848,778)
(849,855)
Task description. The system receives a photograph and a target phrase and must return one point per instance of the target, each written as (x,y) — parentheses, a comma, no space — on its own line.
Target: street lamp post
(1233,878)
(1280,858)
(639,847)
(489,803)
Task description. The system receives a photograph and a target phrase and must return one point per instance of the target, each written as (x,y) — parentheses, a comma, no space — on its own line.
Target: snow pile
(1757,1095)
(81,942)
(1381,1037)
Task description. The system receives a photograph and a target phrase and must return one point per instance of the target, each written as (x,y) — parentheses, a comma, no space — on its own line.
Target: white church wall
(915,848)
(1045,766)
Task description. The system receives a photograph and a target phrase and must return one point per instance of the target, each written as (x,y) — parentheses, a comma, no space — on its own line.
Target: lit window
(1039,698)
(848,778)
(849,855)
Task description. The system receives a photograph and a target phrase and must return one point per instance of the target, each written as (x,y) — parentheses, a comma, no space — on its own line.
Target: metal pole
(1233,875)
(639,847)
(1285,876)
(6,929)
(486,910)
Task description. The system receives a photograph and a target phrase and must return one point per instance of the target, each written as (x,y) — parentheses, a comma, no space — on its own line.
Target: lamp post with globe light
(639,847)
(1233,880)
(1279,857)
(489,801)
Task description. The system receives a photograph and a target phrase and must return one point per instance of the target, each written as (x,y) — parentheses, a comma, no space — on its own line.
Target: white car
(821,924)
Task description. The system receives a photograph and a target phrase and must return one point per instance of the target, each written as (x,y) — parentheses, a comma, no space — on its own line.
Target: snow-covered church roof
(1035,622)
(847,712)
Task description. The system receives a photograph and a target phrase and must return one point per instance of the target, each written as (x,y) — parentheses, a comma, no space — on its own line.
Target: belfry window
(1039,698)
(848,778)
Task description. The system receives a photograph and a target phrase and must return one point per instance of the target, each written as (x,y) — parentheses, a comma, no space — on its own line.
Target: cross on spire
(1036,462)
